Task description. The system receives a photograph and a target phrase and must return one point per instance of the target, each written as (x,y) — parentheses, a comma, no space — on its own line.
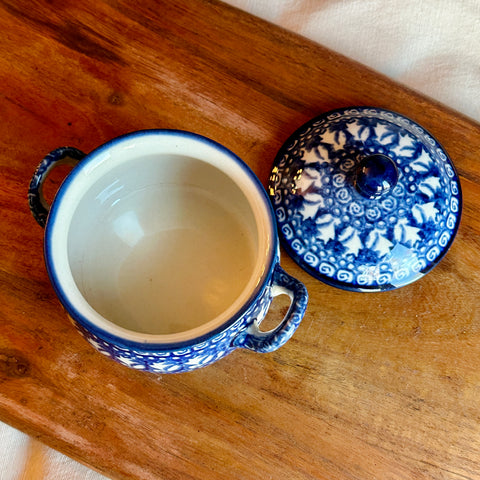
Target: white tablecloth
(432,46)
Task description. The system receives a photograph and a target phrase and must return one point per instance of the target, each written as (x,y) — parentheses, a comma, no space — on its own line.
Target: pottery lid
(365,199)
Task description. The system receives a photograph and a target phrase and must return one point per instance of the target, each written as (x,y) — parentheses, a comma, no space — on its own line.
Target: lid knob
(376,175)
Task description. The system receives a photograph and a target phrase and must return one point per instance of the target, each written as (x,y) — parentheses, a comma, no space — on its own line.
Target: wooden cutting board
(371,386)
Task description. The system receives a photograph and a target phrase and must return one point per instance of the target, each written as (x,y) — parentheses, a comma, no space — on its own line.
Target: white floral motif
(318,154)
(326,227)
(405,233)
(310,210)
(308,184)
(383,134)
(378,242)
(358,131)
(424,213)
(405,147)
(422,164)
(337,139)
(429,186)
(350,239)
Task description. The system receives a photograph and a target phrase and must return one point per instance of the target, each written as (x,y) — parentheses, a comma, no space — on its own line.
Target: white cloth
(432,46)
(24,458)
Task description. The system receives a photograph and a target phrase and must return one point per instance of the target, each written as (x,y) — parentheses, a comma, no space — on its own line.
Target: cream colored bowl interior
(161,239)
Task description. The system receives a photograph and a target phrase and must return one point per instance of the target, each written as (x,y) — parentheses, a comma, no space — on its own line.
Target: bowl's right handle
(264,342)
(36,200)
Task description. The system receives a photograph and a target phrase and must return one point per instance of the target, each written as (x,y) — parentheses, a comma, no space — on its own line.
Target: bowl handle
(264,342)
(36,200)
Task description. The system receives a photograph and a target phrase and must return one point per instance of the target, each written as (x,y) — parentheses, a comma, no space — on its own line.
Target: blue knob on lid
(376,175)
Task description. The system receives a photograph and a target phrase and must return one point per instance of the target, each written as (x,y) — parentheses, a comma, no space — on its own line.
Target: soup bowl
(162,247)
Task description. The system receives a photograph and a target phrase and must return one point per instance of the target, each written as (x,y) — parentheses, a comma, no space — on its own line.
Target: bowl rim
(56,233)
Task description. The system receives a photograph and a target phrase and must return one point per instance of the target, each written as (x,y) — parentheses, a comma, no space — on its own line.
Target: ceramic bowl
(162,247)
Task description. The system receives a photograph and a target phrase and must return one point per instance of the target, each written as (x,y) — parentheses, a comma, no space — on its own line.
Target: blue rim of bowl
(154,346)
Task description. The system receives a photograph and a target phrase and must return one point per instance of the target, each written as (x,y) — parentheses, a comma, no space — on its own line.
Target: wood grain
(371,386)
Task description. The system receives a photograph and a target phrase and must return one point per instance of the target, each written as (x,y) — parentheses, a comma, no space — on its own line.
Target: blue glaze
(37,203)
(360,224)
(376,175)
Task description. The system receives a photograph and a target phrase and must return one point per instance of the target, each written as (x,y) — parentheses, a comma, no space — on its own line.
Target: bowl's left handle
(36,200)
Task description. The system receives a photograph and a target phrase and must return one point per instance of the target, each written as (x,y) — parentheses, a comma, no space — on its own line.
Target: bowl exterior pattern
(178,358)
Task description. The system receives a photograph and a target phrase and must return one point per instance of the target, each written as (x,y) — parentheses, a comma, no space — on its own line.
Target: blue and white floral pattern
(350,241)
(243,333)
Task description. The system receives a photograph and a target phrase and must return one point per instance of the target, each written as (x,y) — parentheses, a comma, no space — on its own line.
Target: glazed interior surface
(162,244)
